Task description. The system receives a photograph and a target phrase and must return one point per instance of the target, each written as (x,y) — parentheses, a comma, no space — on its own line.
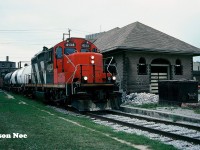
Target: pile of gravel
(141,98)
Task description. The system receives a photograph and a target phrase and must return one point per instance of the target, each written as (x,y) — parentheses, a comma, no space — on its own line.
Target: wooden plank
(154,91)
(154,84)
(162,74)
(154,74)
(155,77)
(154,81)
(154,88)
(163,77)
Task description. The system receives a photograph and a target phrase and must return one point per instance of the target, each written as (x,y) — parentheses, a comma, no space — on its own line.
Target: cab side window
(59,52)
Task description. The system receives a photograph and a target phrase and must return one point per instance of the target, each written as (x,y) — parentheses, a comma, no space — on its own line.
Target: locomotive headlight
(92,57)
(85,78)
(92,61)
(114,77)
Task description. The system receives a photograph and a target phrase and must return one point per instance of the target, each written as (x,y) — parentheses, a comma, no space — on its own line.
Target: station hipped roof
(140,37)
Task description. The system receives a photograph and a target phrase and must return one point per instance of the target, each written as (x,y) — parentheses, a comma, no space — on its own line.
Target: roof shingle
(137,36)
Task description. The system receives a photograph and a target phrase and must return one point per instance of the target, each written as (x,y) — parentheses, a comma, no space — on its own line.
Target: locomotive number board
(85,45)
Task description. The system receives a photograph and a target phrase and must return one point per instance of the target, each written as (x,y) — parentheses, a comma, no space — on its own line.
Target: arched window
(178,68)
(142,67)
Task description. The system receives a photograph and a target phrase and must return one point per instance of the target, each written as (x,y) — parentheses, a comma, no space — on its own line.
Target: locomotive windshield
(69,51)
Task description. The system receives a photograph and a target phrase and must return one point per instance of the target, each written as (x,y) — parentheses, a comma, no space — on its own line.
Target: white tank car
(13,79)
(19,74)
(26,74)
(23,75)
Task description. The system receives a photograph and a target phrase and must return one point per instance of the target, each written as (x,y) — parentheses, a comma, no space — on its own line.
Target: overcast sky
(28,25)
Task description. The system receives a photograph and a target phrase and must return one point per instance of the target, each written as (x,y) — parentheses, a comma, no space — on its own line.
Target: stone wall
(127,64)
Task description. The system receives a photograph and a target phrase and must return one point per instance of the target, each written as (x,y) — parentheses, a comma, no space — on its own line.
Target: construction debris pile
(141,98)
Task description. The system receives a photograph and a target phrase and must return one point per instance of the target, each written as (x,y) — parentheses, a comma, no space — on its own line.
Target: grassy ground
(197,110)
(49,129)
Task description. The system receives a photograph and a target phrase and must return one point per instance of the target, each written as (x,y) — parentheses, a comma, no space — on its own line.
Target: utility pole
(69,30)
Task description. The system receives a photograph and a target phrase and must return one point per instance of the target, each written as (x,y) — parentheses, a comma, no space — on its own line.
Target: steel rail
(156,131)
(189,126)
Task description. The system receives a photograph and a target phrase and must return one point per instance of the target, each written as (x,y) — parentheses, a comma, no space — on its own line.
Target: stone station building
(144,56)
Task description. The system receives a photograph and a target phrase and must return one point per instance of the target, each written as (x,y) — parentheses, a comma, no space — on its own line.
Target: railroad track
(175,131)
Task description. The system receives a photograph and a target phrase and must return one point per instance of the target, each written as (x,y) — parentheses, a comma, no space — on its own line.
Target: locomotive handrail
(72,76)
(72,65)
(76,67)
(109,65)
(117,72)
(70,61)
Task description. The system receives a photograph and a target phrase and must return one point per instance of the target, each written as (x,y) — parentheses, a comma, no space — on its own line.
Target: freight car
(18,79)
(70,73)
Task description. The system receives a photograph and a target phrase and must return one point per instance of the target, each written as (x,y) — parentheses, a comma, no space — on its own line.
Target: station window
(142,67)
(59,52)
(69,51)
(84,50)
(178,68)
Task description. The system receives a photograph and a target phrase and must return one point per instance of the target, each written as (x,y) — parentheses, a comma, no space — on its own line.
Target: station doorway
(160,70)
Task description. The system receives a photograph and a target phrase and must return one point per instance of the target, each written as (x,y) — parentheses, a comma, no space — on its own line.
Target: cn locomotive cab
(73,72)
(79,65)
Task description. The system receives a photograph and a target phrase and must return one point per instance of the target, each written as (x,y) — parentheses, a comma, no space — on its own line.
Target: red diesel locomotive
(73,72)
